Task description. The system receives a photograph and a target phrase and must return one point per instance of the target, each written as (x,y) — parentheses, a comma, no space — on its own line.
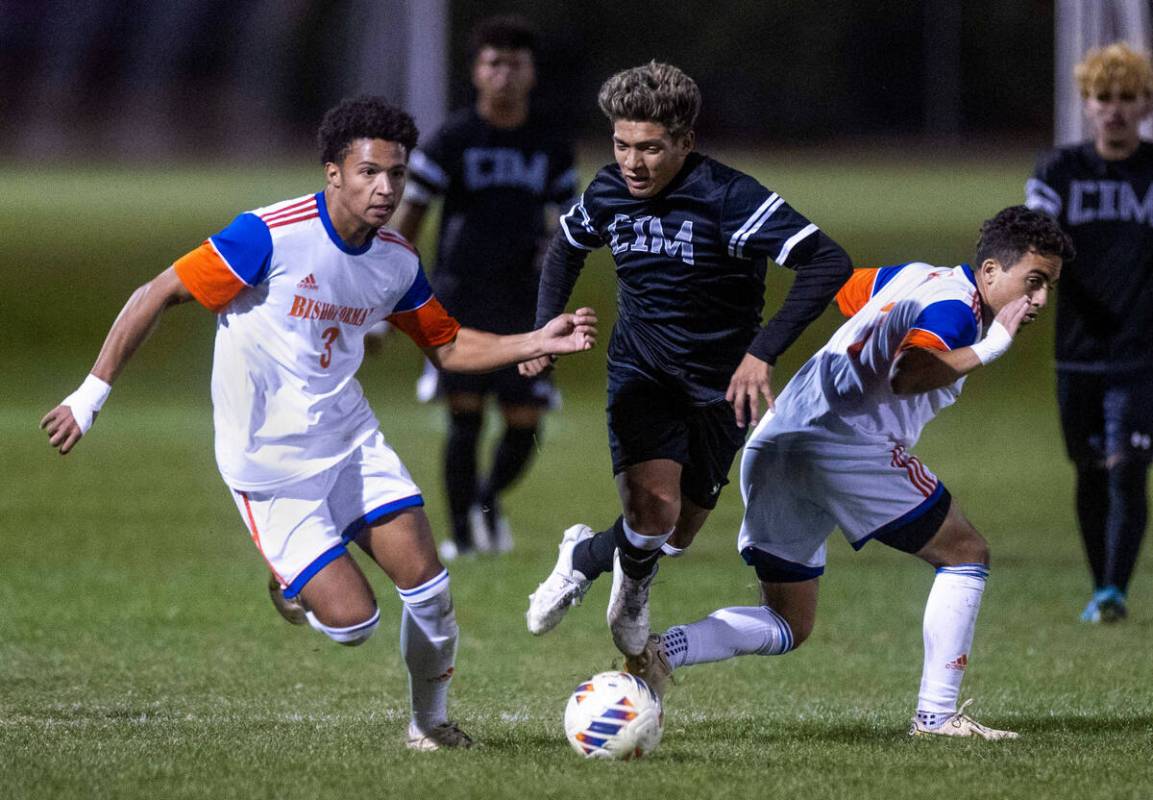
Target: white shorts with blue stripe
(302,527)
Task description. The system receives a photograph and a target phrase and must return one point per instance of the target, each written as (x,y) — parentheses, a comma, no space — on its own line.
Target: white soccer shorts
(798,489)
(302,527)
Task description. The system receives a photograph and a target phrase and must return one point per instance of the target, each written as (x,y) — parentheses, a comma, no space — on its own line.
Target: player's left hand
(62,428)
(537,366)
(751,382)
(1015,314)
(570,333)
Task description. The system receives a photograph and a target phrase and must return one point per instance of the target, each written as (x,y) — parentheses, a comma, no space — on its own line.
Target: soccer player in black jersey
(1102,194)
(500,170)
(689,362)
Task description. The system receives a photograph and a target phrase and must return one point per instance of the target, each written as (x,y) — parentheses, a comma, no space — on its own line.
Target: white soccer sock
(428,635)
(643,542)
(726,633)
(950,617)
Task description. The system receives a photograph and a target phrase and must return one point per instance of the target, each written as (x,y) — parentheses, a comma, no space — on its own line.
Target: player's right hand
(62,429)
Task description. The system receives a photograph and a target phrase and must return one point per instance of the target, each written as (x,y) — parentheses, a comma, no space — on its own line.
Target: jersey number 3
(328,336)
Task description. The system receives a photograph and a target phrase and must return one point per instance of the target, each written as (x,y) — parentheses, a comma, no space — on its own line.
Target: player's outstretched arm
(70,420)
(479,351)
(921,370)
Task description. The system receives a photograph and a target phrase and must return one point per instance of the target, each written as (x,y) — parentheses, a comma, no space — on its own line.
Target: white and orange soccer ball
(614,715)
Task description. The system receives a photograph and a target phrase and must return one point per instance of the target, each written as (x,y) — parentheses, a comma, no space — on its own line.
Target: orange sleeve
(856,292)
(204,273)
(429,325)
(926,340)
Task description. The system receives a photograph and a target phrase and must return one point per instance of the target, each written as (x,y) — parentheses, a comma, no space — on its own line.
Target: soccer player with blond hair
(294,287)
(1101,191)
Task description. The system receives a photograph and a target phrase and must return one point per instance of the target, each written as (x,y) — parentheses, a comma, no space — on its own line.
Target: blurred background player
(835,452)
(295,285)
(688,362)
(1100,192)
(501,170)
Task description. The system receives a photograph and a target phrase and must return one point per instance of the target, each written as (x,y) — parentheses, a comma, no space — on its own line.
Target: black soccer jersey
(495,183)
(1105,298)
(691,265)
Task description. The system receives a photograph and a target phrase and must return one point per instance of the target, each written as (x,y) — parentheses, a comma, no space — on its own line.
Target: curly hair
(653,92)
(1118,64)
(1018,230)
(363,117)
(505,32)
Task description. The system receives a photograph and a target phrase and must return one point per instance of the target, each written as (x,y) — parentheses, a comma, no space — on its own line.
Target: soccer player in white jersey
(295,286)
(836,452)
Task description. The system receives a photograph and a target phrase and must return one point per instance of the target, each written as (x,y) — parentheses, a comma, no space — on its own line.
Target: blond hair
(1115,64)
(653,92)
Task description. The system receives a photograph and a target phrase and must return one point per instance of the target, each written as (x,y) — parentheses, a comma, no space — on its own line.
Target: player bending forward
(836,453)
(295,286)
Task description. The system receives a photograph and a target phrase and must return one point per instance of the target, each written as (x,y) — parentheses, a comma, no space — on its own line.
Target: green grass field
(139,656)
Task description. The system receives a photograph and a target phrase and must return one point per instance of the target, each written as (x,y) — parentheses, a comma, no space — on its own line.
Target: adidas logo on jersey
(307,283)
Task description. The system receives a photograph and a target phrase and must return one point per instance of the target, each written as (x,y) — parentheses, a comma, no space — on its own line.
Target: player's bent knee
(349,636)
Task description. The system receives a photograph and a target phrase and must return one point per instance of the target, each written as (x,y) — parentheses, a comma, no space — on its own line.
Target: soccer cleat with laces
(293,610)
(959,724)
(562,589)
(628,612)
(445,736)
(652,665)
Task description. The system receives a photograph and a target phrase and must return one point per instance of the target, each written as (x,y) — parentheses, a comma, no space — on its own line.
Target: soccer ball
(614,715)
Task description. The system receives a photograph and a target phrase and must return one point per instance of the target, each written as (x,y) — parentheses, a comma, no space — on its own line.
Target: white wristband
(995,343)
(86,401)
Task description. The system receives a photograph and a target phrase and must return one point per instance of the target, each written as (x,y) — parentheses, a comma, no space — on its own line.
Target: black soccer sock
(1092,512)
(512,456)
(1125,528)
(635,562)
(460,471)
(593,557)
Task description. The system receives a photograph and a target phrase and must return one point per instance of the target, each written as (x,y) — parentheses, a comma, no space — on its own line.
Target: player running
(295,286)
(502,170)
(688,362)
(1100,192)
(836,452)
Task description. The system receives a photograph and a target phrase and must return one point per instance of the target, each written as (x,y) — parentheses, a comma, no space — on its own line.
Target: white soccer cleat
(562,589)
(478,526)
(961,725)
(502,534)
(628,612)
(445,736)
(428,384)
(294,610)
(448,551)
(652,665)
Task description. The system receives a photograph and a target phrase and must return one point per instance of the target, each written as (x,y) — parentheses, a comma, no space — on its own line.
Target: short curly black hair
(1017,230)
(503,32)
(364,117)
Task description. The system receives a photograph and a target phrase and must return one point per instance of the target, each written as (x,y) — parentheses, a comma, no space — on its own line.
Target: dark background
(132,79)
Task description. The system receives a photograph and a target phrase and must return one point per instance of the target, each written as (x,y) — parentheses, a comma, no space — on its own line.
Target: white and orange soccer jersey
(293,302)
(844,390)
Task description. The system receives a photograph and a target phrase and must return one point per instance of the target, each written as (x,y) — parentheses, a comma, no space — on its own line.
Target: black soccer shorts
(648,421)
(1105,416)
